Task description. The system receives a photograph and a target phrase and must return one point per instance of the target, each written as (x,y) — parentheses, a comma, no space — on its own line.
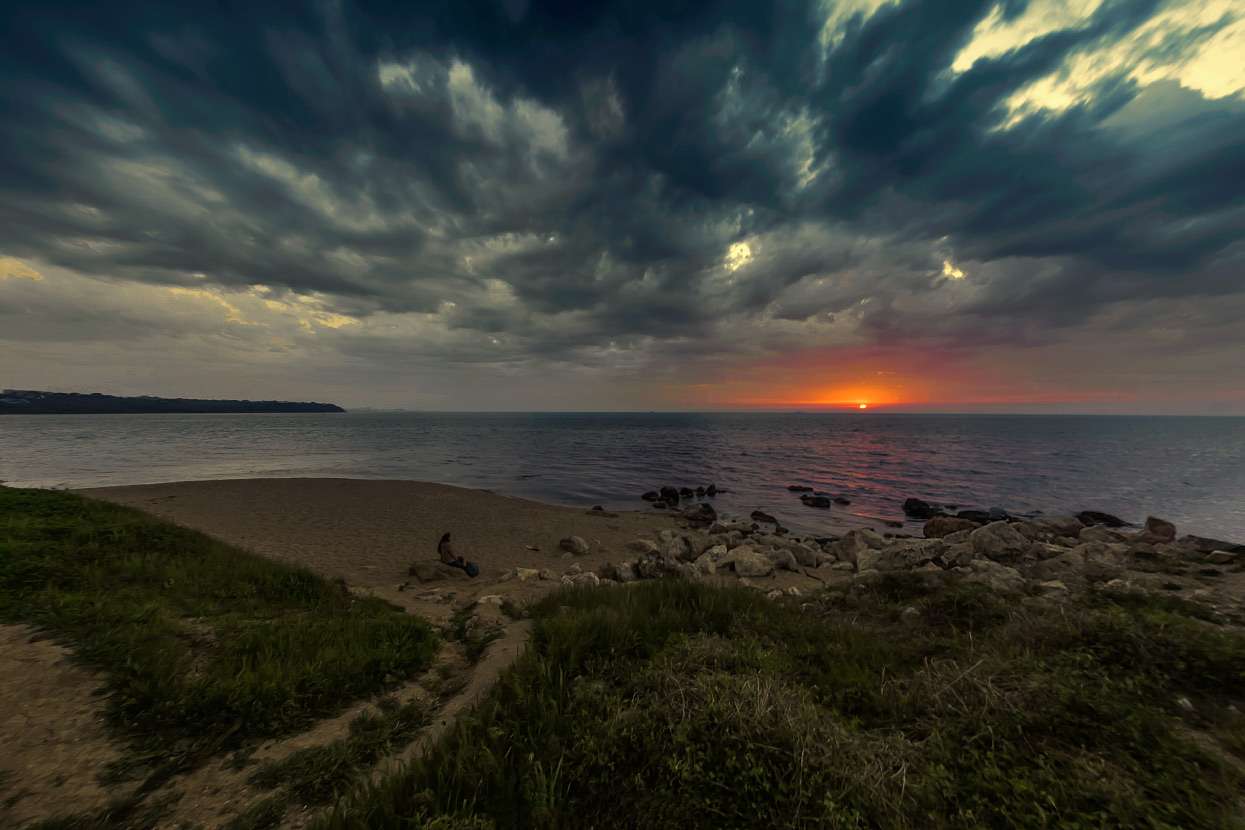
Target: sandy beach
(369,532)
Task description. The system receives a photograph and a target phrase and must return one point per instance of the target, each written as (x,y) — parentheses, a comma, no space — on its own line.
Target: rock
(815,501)
(842,500)
(661,505)
(700,491)
(685,570)
(940,526)
(958,555)
(849,548)
(981,517)
(998,541)
(522,574)
(584,580)
(794,592)
(774,594)
(1156,532)
(867,559)
(890,523)
(642,546)
(993,575)
(1203,545)
(651,495)
(706,564)
(909,555)
(625,572)
(1053,586)
(434,571)
(665,535)
(711,490)
(867,575)
(1049,528)
(546,574)
(1093,517)
(806,556)
(910,616)
(748,562)
(573,570)
(783,560)
(1221,557)
(597,507)
(798,488)
(573,544)
(687,492)
(677,550)
(669,495)
(1098,533)
(1040,551)
(997,514)
(920,509)
(700,514)
(761,516)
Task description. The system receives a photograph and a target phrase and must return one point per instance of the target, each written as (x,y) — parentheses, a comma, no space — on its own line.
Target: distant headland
(15,401)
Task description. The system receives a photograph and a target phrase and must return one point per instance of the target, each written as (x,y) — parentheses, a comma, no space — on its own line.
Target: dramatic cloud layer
(539,205)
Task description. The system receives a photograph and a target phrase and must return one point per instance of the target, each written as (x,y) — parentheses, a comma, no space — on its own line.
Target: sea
(1188,470)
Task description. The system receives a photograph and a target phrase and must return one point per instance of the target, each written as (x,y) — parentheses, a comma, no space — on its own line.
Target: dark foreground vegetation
(205,648)
(670,704)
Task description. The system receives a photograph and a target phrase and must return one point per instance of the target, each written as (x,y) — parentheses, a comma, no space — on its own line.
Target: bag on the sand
(472,569)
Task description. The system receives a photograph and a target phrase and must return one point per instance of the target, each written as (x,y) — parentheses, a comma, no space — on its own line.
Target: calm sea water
(1188,470)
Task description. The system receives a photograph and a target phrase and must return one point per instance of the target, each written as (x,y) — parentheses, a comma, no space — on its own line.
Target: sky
(925,205)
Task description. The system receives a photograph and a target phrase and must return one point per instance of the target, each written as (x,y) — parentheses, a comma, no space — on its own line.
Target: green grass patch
(206,648)
(318,775)
(670,704)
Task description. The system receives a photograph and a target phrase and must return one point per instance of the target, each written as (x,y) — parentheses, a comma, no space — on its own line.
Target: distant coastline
(27,402)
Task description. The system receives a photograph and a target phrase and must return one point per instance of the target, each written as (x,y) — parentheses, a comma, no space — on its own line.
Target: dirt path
(51,730)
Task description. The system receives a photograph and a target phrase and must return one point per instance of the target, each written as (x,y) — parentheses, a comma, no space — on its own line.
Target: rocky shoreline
(1004,552)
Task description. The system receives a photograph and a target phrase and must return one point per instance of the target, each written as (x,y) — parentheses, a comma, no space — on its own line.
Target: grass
(464,629)
(671,704)
(206,648)
(318,775)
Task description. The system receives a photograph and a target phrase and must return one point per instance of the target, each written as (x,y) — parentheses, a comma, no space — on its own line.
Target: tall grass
(206,647)
(671,704)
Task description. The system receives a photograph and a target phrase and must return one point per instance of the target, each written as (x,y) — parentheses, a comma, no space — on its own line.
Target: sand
(369,532)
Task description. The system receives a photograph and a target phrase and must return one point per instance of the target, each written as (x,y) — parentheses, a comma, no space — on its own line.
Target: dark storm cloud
(576,174)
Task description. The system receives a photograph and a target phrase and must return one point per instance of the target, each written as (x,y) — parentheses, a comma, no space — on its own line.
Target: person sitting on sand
(446,550)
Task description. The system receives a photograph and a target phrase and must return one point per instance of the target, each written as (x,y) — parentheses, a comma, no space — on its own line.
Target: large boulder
(1156,532)
(956,556)
(803,554)
(993,575)
(706,564)
(748,562)
(940,526)
(651,495)
(783,560)
(909,555)
(643,546)
(998,541)
(434,570)
(574,544)
(669,495)
(815,501)
(676,550)
(701,514)
(849,548)
(762,516)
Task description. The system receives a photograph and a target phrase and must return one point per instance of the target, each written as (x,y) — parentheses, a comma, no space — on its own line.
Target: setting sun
(864,406)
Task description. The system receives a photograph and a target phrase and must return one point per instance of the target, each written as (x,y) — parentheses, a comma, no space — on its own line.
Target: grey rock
(993,575)
(574,545)
(998,541)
